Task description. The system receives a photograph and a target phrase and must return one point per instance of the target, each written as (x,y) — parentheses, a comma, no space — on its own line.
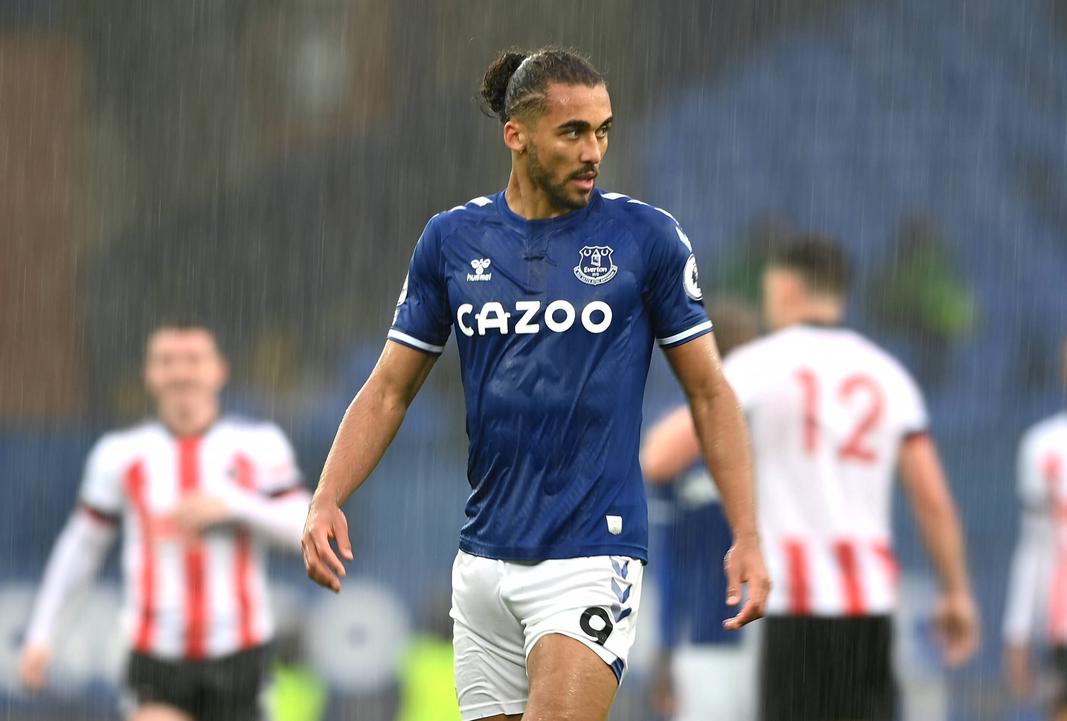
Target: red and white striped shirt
(1037,594)
(186,597)
(827,410)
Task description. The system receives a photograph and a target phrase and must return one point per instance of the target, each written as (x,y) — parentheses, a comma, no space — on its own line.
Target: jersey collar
(548,224)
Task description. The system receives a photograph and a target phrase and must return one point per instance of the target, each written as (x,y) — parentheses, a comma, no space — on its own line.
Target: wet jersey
(694,537)
(828,411)
(555,321)
(190,598)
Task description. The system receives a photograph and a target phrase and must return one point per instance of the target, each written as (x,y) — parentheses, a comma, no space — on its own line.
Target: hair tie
(507,88)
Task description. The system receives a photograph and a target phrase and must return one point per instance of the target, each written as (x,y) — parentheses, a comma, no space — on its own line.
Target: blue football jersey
(555,322)
(690,539)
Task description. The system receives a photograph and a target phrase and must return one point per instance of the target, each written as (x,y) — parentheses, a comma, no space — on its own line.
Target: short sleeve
(1033,470)
(744,375)
(101,487)
(914,418)
(422,319)
(672,289)
(276,461)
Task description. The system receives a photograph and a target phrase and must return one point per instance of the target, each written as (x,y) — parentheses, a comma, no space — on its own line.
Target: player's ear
(516,135)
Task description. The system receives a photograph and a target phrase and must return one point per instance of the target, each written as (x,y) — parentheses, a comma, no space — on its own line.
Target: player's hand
(33,667)
(956,623)
(200,511)
(1017,670)
(744,566)
(325,522)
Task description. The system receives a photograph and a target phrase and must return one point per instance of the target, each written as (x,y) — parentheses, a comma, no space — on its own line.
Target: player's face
(782,289)
(567,142)
(184,367)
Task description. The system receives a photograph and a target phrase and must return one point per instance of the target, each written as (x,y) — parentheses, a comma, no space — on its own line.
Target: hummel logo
(479,265)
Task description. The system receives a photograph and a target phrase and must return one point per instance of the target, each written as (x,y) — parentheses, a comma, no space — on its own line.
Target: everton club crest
(595,265)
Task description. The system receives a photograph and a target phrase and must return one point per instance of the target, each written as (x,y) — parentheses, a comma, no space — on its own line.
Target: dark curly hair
(516,81)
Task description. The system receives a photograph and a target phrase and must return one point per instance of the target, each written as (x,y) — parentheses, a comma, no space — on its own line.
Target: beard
(556,191)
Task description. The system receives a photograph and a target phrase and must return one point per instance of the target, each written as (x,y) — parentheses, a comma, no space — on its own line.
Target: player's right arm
(1028,567)
(368,427)
(76,556)
(420,329)
(935,513)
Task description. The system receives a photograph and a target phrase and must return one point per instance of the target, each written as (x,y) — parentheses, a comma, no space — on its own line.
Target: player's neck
(528,201)
(188,422)
(815,312)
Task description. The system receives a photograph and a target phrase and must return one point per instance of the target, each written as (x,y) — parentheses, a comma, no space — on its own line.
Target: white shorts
(716,681)
(501,609)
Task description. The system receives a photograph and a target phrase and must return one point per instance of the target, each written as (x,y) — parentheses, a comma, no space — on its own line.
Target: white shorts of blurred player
(501,609)
(716,681)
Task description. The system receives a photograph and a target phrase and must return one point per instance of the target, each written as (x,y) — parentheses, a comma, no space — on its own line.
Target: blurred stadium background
(269,164)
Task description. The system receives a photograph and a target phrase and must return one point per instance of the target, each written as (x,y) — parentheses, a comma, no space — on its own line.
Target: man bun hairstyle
(495,82)
(818,259)
(516,82)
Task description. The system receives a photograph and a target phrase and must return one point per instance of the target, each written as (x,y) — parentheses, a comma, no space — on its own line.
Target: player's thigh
(489,671)
(568,682)
(159,712)
(594,600)
(488,643)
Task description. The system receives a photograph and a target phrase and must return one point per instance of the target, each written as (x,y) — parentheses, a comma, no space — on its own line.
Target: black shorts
(228,688)
(827,669)
(1059,663)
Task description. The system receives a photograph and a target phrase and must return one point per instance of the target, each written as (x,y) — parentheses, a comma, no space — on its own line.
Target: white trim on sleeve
(422,345)
(699,328)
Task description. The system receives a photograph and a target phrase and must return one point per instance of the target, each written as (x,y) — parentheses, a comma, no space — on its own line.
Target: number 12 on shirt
(858,391)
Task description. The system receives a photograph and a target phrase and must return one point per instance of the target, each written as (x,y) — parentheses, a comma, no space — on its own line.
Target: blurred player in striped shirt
(1037,594)
(832,416)
(198,497)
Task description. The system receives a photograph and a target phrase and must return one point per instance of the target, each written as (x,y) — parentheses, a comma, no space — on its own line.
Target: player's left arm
(277,518)
(935,512)
(723,436)
(271,501)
